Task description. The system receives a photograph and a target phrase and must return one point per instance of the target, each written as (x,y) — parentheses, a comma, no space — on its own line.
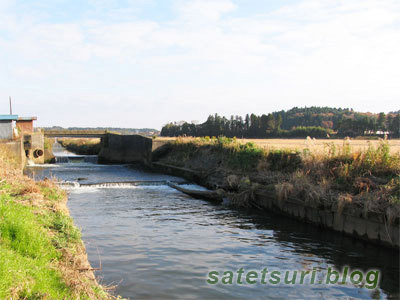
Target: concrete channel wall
(374,227)
(127,149)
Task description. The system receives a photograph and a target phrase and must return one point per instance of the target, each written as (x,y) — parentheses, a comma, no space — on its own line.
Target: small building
(6,126)
(25,124)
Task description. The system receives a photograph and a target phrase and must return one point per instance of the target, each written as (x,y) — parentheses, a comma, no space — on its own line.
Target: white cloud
(205,60)
(204,10)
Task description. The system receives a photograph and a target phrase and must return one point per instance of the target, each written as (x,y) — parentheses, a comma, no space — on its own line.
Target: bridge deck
(75,133)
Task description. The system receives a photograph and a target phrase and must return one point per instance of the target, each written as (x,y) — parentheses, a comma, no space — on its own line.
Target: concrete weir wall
(127,149)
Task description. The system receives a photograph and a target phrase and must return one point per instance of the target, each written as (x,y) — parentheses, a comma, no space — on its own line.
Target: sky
(144,63)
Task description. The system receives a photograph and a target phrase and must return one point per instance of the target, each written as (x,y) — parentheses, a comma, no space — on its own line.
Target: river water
(154,242)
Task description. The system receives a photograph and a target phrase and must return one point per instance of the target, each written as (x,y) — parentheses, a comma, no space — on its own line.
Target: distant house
(25,124)
(6,126)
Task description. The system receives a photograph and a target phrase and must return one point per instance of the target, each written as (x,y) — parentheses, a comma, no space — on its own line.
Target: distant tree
(270,123)
(247,122)
(394,125)
(295,122)
(278,122)
(382,122)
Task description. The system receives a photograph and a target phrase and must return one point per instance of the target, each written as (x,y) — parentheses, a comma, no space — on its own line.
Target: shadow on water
(338,249)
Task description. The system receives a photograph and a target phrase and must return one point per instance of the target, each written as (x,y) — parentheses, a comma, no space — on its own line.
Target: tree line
(318,122)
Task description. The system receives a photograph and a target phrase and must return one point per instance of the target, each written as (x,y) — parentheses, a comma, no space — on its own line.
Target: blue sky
(143,63)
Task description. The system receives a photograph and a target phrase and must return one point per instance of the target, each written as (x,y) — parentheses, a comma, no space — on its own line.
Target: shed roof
(27,118)
(8,117)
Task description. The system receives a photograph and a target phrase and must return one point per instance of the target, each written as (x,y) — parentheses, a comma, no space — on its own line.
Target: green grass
(284,160)
(241,156)
(67,232)
(40,248)
(51,193)
(27,254)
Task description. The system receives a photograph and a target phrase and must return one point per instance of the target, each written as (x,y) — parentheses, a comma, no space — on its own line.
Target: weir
(63,156)
(76,158)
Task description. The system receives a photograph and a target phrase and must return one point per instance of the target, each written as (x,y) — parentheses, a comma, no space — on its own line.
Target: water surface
(154,242)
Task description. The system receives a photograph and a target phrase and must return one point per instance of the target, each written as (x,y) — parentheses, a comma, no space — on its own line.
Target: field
(315,144)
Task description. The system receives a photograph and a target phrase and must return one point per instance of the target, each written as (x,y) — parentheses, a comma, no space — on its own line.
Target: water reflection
(313,243)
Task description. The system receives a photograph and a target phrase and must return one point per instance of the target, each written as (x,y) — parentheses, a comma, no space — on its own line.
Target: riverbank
(42,255)
(352,191)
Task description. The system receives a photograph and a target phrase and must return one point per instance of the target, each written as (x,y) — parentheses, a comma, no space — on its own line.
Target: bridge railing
(75,133)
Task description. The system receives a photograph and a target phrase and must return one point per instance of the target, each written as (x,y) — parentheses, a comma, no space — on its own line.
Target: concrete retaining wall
(16,148)
(373,227)
(158,144)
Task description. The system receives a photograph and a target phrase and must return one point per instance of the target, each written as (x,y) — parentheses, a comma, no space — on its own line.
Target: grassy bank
(81,146)
(42,255)
(330,177)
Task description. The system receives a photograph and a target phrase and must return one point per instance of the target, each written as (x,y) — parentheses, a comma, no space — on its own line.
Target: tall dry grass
(329,175)
(368,179)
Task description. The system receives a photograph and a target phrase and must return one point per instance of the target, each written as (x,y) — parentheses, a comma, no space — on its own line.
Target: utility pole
(10,107)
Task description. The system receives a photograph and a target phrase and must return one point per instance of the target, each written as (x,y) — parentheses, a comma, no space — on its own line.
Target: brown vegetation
(301,144)
(359,177)
(81,146)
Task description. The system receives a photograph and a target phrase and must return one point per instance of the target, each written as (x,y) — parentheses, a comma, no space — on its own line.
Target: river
(153,242)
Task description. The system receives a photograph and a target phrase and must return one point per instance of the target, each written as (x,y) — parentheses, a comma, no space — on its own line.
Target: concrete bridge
(75,133)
